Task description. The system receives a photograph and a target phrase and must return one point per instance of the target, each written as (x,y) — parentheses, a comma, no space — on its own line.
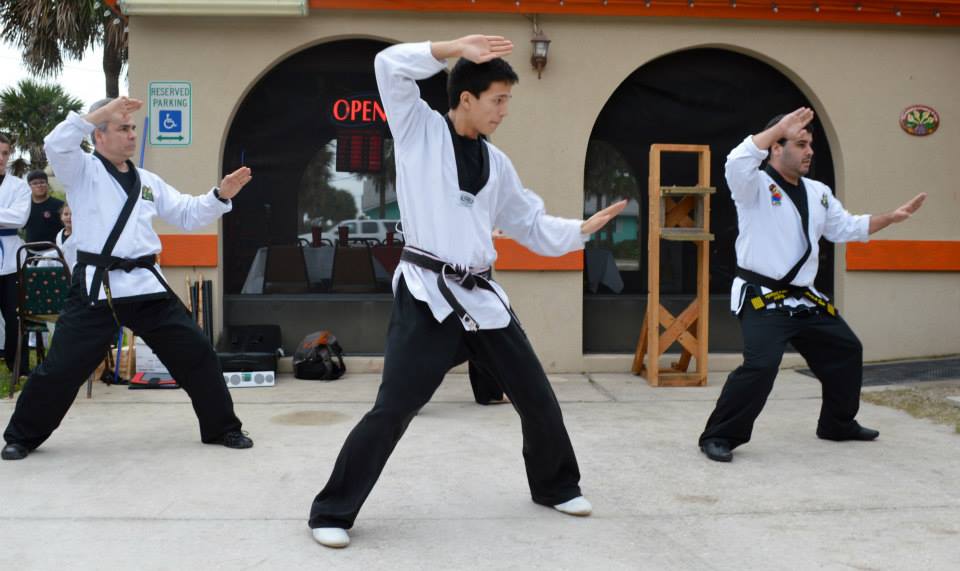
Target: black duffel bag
(319,357)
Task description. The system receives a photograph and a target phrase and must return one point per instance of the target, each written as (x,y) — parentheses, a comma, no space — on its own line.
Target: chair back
(286,270)
(388,256)
(44,279)
(353,270)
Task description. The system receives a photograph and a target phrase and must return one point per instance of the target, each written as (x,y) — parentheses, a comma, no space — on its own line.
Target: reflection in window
(348,208)
(320,215)
(613,255)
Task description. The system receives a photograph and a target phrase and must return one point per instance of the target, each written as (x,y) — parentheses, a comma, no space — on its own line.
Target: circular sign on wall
(919,120)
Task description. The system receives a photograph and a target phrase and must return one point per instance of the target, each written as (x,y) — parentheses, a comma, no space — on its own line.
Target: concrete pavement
(125,484)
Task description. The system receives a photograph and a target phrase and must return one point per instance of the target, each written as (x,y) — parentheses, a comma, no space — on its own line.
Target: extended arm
(191,212)
(880,221)
(522,216)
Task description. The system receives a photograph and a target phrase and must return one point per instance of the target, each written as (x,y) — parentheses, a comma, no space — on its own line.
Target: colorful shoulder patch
(824,200)
(775,195)
(146,193)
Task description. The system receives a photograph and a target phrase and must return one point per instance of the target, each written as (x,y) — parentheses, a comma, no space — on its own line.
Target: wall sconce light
(541,44)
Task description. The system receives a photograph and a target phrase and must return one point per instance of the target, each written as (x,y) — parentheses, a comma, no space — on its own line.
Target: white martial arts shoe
(331,536)
(577,506)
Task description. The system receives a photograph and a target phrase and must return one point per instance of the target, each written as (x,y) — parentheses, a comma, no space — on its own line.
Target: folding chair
(286,270)
(353,270)
(44,281)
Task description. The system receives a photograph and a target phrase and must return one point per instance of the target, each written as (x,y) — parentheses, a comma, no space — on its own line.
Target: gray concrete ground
(125,484)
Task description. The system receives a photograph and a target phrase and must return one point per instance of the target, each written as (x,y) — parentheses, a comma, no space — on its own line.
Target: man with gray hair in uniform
(117,280)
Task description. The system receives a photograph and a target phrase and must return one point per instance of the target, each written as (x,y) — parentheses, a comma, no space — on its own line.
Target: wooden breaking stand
(670,219)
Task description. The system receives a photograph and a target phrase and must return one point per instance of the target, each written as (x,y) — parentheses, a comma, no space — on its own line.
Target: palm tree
(28,112)
(47,31)
(608,178)
(387,176)
(318,198)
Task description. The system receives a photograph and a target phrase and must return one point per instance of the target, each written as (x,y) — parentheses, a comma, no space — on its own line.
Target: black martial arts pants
(8,308)
(484,384)
(419,353)
(80,341)
(830,348)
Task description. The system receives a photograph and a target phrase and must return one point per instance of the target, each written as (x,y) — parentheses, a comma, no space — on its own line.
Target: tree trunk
(112,65)
(38,157)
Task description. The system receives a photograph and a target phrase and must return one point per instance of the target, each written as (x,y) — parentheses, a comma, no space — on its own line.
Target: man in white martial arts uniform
(14,213)
(117,280)
(453,188)
(781,216)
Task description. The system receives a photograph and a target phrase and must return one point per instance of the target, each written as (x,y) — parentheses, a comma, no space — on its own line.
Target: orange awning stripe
(512,256)
(867,12)
(904,256)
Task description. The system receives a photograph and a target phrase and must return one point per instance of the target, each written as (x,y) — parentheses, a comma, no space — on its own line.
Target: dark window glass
(314,132)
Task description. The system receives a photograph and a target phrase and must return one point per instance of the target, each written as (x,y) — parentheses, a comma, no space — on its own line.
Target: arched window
(316,227)
(701,96)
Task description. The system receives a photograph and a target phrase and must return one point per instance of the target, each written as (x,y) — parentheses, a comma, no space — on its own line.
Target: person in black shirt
(44,221)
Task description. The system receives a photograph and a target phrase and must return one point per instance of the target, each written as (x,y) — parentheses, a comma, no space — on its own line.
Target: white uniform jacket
(436,215)
(68,246)
(771,237)
(96,199)
(14,212)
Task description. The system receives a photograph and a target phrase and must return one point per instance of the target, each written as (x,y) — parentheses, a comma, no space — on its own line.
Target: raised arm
(743,162)
(789,127)
(399,67)
(397,70)
(476,48)
(62,145)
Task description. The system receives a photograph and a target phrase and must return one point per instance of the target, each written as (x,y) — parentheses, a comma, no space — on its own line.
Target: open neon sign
(356,111)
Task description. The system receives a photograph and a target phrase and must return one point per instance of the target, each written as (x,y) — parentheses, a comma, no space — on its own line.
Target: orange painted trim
(904,256)
(189,250)
(937,13)
(512,256)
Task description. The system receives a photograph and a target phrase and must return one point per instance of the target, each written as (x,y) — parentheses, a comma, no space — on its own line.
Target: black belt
(111,263)
(780,291)
(468,278)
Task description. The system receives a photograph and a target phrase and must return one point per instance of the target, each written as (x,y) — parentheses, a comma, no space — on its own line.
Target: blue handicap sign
(171,121)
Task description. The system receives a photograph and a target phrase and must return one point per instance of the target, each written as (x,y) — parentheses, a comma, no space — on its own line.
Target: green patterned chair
(44,280)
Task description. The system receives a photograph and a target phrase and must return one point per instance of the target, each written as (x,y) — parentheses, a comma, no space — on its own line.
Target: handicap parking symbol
(171,121)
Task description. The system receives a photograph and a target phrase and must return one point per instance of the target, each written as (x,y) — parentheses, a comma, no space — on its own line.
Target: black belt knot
(128,264)
(461,275)
(110,263)
(106,264)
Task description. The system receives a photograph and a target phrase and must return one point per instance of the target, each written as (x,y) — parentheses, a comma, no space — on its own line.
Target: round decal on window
(919,120)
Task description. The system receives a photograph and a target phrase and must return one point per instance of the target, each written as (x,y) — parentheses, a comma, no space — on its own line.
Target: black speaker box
(244,348)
